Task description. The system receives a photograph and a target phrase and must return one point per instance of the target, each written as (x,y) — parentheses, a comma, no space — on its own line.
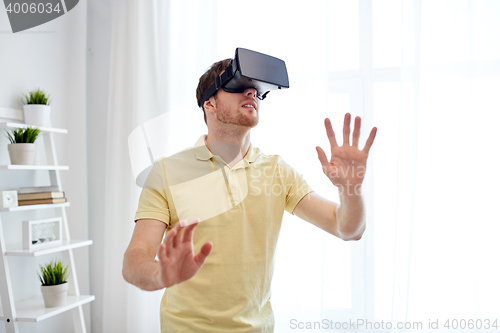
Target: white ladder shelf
(33,309)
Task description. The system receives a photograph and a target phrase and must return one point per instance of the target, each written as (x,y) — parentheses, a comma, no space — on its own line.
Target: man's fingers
(178,237)
(322,157)
(356,132)
(347,128)
(203,254)
(162,252)
(168,241)
(175,239)
(188,233)
(331,134)
(370,140)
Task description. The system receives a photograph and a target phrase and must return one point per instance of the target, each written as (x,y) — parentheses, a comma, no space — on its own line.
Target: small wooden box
(39,234)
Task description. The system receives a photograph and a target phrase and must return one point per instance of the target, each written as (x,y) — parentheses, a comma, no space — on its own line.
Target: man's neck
(230,147)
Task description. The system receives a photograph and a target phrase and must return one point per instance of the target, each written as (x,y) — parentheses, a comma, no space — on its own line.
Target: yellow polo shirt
(241,209)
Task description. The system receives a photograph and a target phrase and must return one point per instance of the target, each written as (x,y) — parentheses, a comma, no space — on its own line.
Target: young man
(218,279)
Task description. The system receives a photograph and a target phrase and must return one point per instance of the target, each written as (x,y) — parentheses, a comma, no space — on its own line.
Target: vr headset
(250,69)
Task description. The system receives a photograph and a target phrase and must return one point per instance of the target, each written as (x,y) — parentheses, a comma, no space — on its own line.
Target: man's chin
(250,122)
(247,120)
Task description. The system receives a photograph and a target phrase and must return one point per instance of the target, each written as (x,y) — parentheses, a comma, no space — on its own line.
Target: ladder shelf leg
(8,305)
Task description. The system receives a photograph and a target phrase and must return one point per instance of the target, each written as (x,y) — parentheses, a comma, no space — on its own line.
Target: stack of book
(39,195)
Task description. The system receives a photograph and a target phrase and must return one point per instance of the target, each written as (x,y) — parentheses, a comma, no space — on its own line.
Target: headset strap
(218,82)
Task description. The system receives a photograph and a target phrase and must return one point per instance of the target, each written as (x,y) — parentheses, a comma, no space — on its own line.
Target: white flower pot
(22,153)
(37,114)
(55,295)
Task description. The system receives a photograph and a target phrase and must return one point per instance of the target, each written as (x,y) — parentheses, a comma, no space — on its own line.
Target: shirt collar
(202,152)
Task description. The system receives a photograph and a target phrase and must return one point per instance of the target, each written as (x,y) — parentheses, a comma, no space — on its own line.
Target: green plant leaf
(23,135)
(37,96)
(53,273)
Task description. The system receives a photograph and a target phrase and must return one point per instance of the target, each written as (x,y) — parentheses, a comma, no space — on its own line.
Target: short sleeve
(153,203)
(295,186)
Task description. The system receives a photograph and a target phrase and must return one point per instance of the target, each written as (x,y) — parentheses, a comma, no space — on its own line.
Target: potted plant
(36,108)
(22,145)
(54,283)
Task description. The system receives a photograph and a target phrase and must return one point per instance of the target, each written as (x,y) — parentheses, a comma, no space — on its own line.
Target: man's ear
(209,104)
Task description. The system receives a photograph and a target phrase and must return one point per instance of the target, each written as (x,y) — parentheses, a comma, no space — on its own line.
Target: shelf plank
(66,245)
(34,310)
(43,129)
(32,207)
(33,167)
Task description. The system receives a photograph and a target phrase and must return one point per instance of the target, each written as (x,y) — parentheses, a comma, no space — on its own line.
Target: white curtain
(148,77)
(436,195)
(135,95)
(425,73)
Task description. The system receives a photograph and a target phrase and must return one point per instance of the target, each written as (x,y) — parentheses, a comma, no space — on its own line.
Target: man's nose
(251,92)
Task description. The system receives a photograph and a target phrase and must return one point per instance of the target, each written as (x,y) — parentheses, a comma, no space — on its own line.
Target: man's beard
(238,119)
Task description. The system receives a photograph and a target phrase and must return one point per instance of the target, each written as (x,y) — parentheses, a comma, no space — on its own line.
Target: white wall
(51,56)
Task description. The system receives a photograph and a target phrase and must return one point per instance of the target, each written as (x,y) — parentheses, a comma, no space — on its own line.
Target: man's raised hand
(177,261)
(347,166)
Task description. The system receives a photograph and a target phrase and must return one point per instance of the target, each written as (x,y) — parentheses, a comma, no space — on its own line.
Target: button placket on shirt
(232,185)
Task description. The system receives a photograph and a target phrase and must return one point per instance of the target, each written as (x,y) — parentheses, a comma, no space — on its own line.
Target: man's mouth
(250,105)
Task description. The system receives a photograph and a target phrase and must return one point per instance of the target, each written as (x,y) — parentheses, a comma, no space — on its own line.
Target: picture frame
(41,234)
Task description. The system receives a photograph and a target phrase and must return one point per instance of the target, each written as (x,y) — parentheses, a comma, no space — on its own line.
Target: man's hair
(207,79)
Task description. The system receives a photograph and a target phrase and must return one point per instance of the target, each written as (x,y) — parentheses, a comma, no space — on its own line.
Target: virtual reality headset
(250,69)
